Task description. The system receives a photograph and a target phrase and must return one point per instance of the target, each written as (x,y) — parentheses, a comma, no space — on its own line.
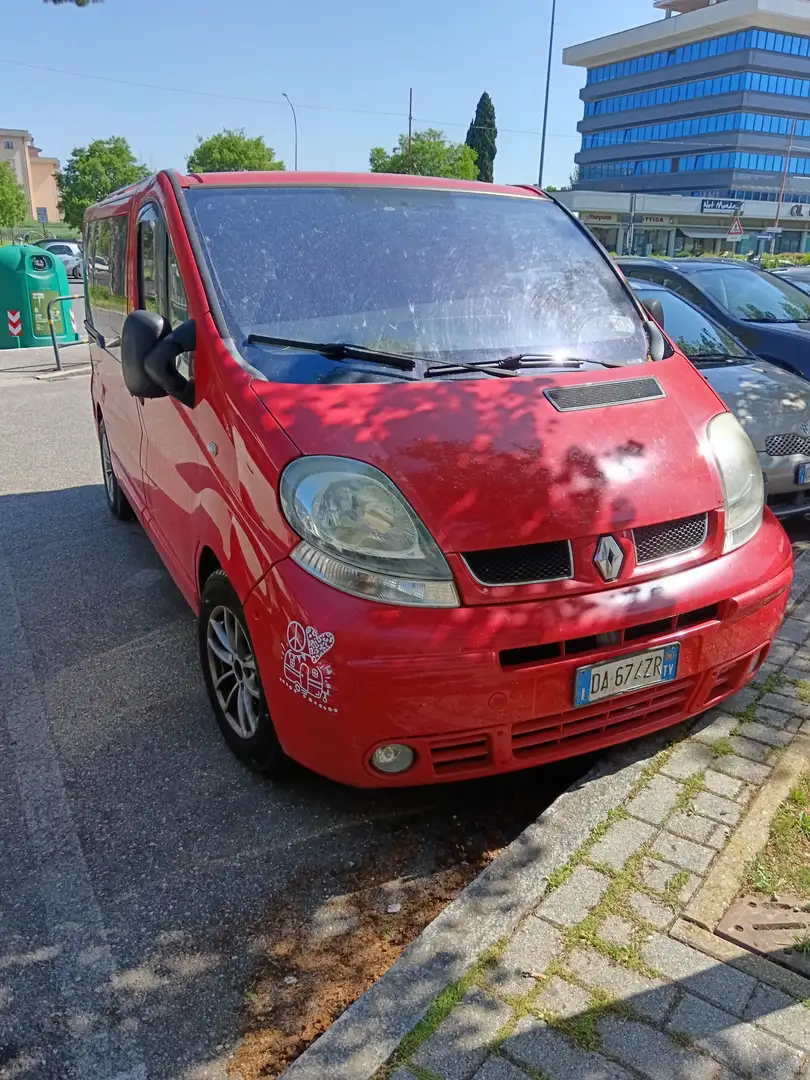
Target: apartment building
(37,174)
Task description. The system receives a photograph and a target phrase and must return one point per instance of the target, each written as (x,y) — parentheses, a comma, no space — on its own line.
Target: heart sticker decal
(318,645)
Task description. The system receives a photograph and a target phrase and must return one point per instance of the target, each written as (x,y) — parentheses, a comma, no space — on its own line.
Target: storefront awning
(706,234)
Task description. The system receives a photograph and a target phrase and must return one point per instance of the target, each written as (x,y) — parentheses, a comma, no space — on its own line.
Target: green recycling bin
(29,278)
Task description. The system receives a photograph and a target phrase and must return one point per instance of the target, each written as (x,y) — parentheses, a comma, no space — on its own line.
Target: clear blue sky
(349,55)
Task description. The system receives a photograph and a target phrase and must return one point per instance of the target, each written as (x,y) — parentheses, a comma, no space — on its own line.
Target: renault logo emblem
(804,428)
(608,558)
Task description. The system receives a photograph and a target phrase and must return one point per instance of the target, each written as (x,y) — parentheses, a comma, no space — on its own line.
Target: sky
(347,66)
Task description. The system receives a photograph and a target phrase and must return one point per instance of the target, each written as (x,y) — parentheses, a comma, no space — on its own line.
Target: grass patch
(721,748)
(802,945)
(691,787)
(749,713)
(559,876)
(773,682)
(803,690)
(784,864)
(672,893)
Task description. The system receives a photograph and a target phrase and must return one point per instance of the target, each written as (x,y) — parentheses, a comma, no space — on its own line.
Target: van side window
(118,274)
(106,267)
(151,259)
(178,305)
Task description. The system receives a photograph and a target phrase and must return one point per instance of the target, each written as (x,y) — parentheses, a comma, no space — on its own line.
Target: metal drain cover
(771,928)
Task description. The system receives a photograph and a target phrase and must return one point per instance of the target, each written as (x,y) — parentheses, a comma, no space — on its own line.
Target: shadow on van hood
(490,463)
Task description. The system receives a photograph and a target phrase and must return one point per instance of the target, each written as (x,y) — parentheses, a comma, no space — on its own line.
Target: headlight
(739,469)
(361,536)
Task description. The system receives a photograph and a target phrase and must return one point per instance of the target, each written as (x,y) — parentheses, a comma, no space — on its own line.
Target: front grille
(521,565)
(602,394)
(655,542)
(787,445)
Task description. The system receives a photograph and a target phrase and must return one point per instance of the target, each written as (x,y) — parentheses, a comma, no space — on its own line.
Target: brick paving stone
(687,759)
(651,998)
(794,631)
(744,1047)
(764,733)
(655,801)
(683,853)
(724,811)
(700,829)
(742,699)
(765,671)
(461,1042)
(781,720)
(563,1000)
(654,1055)
(798,668)
(781,1015)
(657,875)
(719,784)
(406,1074)
(698,973)
(742,769)
(552,1055)
(714,726)
(785,704)
(616,931)
(747,748)
(655,914)
(569,904)
(532,948)
(496,1068)
(622,840)
(780,653)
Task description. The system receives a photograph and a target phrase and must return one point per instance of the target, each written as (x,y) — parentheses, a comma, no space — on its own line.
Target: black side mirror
(655,309)
(159,362)
(142,331)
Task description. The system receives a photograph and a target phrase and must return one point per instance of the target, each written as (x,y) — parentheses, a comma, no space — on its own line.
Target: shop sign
(721,206)
(797,210)
(656,219)
(599,219)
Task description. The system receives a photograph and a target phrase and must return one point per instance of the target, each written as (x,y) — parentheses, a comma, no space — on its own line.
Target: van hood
(489,462)
(765,399)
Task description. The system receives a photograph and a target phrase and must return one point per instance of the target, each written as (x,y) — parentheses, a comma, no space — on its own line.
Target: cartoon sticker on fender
(303,671)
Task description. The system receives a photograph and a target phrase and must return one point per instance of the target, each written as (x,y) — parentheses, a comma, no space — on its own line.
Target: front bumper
(784,496)
(471,689)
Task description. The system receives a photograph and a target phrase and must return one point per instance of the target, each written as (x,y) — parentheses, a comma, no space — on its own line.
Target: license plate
(598,681)
(803,473)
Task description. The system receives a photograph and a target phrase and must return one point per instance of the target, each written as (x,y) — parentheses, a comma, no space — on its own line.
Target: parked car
(437,519)
(796,275)
(771,404)
(68,252)
(767,314)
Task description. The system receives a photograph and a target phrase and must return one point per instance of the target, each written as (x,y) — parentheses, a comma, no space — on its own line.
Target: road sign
(14,323)
(736,230)
(42,215)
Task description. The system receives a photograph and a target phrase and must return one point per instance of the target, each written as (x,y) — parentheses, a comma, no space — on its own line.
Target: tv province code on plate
(636,672)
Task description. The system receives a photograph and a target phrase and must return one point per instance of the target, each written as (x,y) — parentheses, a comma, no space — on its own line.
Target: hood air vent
(602,394)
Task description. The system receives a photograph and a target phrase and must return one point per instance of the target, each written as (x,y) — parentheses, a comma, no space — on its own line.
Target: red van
(445,500)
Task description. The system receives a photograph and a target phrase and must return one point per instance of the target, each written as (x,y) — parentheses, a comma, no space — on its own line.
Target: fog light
(393,758)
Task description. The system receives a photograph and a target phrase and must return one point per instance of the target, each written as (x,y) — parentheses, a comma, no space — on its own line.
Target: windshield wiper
(342,350)
(697,357)
(509,365)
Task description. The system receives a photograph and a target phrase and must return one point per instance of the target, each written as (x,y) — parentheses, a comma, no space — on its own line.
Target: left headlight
(741,474)
(360,535)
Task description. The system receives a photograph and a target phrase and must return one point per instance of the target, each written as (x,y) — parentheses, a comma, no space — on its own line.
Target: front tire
(116,499)
(232,678)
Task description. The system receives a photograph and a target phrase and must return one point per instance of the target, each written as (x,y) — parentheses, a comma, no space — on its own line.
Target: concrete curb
(365,1036)
(52,376)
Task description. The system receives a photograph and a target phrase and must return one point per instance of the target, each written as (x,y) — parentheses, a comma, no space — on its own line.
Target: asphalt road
(136,855)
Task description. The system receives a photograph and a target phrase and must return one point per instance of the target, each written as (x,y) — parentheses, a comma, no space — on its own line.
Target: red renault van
(445,500)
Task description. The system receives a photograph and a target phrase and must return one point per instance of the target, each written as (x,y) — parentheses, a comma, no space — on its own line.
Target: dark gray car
(772,405)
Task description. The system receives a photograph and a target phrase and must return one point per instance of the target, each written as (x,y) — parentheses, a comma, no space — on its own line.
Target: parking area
(137,857)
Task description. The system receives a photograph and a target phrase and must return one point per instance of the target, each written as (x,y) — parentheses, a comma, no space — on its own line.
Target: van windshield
(457,275)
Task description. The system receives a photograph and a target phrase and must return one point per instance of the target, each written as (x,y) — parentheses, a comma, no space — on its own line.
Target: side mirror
(658,343)
(655,309)
(159,363)
(142,331)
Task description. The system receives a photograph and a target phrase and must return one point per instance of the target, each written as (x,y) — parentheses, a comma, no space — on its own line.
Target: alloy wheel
(233,671)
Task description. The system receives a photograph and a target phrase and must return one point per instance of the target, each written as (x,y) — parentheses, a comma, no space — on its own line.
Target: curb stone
(365,1036)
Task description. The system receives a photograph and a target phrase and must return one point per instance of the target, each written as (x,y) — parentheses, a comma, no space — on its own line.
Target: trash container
(29,278)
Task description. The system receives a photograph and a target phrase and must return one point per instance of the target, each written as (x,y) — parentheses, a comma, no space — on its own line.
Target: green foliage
(13,205)
(93,172)
(481,136)
(431,155)
(233,151)
(76,3)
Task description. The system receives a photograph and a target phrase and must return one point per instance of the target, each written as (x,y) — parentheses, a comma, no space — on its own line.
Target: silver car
(772,405)
(69,254)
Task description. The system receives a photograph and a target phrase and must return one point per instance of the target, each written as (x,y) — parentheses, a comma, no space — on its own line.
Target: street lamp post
(548,90)
(295,127)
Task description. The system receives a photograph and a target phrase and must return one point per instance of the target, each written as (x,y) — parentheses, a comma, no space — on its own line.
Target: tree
(232,151)
(431,155)
(481,137)
(78,3)
(93,172)
(13,204)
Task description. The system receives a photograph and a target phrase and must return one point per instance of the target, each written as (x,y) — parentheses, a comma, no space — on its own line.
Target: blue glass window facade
(767,40)
(774,163)
(699,125)
(701,88)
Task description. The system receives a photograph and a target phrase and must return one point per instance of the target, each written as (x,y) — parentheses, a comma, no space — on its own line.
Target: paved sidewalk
(591,986)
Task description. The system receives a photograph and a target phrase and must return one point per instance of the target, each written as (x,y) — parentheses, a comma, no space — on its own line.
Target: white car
(68,252)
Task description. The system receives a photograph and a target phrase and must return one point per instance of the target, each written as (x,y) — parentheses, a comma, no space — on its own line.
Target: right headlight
(740,472)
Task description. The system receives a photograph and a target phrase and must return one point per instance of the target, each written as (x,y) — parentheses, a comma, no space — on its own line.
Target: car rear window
(432,273)
(753,296)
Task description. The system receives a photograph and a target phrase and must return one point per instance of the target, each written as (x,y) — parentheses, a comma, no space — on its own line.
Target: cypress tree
(481,137)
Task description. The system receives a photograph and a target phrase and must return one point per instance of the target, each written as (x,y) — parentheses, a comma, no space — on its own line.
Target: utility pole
(295,128)
(410,130)
(548,90)
(783,185)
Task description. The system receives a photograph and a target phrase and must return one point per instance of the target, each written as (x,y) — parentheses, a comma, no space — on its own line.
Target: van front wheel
(116,499)
(232,678)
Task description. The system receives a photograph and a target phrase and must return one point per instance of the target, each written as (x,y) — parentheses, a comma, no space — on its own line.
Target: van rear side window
(106,275)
